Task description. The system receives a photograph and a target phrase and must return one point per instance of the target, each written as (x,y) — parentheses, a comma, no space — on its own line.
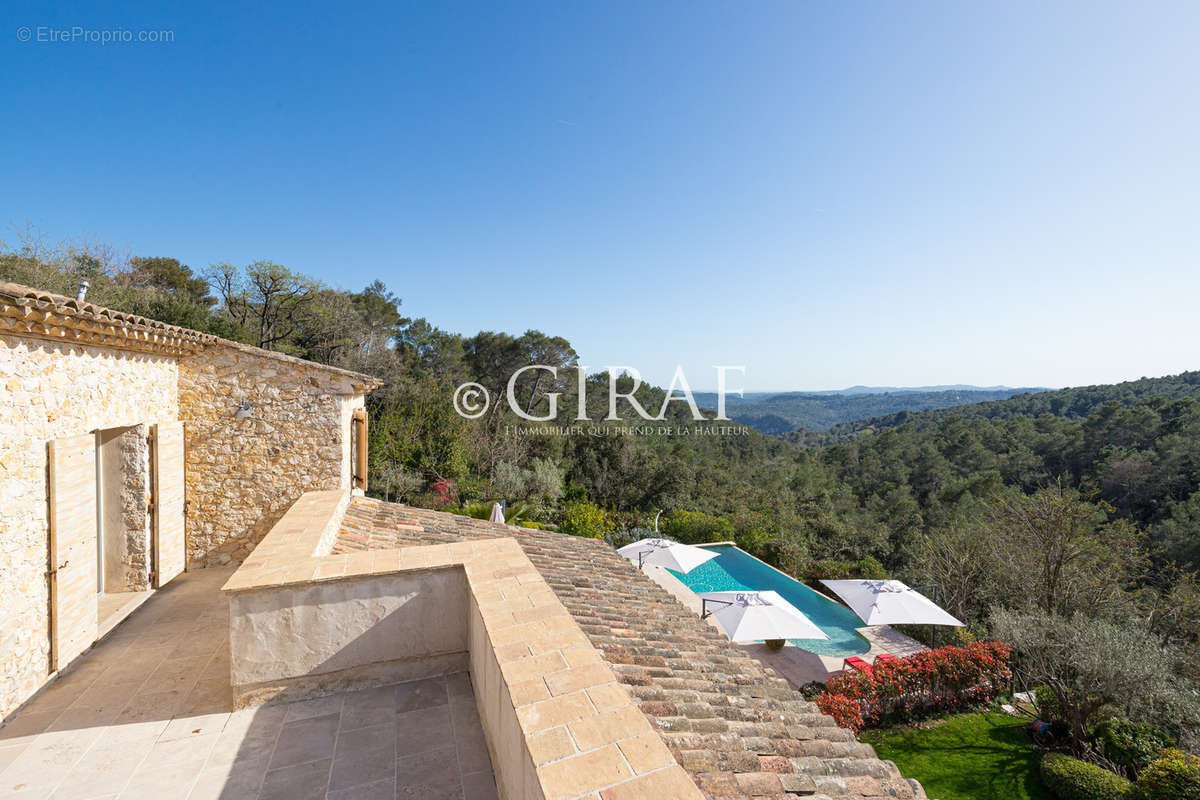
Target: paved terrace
(148,713)
(738,729)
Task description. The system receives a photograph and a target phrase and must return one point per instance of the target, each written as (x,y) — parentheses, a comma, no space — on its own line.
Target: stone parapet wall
(51,390)
(244,471)
(558,723)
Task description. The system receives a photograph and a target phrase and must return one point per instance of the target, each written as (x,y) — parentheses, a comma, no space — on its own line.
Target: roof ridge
(28,311)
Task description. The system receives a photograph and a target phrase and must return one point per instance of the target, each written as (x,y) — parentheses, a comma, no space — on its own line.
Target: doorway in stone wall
(123,522)
(116,528)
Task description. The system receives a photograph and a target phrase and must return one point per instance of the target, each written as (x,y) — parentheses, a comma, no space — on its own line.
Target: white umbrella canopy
(890,603)
(666,553)
(497,513)
(759,616)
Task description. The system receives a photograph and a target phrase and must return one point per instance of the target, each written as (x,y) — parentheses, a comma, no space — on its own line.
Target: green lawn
(983,756)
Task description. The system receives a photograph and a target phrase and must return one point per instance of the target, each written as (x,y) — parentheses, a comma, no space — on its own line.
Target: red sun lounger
(857,664)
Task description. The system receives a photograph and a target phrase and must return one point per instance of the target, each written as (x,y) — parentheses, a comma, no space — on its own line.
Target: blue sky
(827,193)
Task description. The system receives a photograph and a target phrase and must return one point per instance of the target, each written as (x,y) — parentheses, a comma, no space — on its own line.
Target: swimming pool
(736,570)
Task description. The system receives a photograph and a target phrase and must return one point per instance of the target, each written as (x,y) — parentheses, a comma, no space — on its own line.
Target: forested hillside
(1074,403)
(885,484)
(1081,500)
(819,411)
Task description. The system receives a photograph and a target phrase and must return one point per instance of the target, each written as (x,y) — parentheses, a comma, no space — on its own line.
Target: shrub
(622,536)
(941,679)
(540,512)
(444,492)
(812,690)
(866,568)
(697,527)
(846,711)
(1175,775)
(1132,745)
(394,482)
(1048,707)
(815,571)
(1072,779)
(586,519)
(752,540)
(476,508)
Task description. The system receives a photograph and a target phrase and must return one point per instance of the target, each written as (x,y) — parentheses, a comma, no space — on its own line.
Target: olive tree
(545,479)
(1089,662)
(509,480)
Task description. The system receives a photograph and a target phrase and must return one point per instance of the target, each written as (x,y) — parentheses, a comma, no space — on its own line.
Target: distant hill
(956,387)
(779,413)
(1071,403)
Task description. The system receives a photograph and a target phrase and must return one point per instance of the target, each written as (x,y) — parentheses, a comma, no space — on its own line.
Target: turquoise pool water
(737,570)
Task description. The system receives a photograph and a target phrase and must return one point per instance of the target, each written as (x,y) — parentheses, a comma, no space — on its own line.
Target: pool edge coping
(789,577)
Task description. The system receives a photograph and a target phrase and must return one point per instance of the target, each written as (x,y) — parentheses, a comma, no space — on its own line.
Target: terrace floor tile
(148,712)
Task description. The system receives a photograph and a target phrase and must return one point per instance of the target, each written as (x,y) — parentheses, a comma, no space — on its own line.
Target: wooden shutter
(360,449)
(170,554)
(74,609)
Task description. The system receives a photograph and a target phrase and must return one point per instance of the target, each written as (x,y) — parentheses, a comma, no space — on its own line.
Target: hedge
(1174,776)
(1071,779)
(942,679)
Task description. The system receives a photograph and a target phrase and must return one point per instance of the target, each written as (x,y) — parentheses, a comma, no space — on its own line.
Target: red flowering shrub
(845,711)
(444,491)
(941,679)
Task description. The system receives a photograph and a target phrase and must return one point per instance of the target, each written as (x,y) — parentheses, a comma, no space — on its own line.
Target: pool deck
(798,666)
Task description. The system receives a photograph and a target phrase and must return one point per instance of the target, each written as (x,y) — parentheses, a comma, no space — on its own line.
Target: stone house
(131,450)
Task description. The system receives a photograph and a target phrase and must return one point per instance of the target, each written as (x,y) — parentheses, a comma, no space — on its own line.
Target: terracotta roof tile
(29,312)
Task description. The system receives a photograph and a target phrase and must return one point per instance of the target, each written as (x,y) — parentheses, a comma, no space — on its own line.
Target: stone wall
(303,640)
(245,467)
(50,390)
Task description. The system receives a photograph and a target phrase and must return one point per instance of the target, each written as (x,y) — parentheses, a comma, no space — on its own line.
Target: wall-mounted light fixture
(243,411)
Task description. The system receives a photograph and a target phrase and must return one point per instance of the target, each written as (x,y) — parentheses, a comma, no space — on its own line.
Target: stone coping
(289,553)
(581,729)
